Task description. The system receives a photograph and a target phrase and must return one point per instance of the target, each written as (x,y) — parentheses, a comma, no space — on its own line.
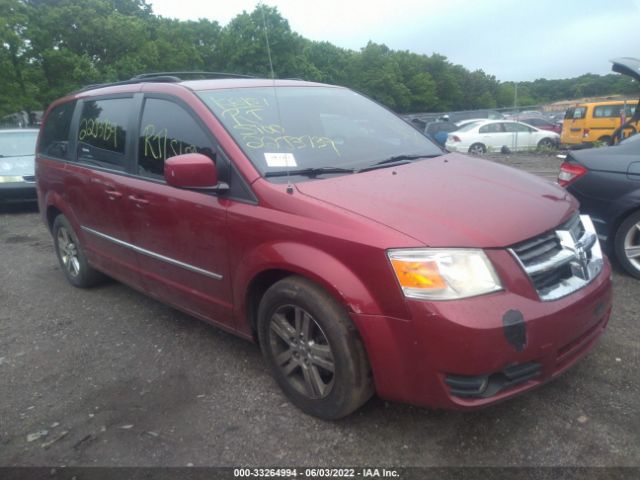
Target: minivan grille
(563,260)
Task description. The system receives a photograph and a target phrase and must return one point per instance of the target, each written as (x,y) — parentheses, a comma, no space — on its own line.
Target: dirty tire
(627,244)
(477,149)
(546,144)
(71,257)
(313,349)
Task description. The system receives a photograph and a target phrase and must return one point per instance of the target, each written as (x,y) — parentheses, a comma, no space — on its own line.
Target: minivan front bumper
(475,352)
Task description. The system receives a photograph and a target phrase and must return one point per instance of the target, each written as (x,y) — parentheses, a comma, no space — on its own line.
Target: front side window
(55,133)
(579,113)
(282,128)
(167,130)
(102,133)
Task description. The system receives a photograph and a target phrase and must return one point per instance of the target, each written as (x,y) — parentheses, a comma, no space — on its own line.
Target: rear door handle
(140,201)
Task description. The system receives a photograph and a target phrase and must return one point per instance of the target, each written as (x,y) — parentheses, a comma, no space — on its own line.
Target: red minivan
(359,255)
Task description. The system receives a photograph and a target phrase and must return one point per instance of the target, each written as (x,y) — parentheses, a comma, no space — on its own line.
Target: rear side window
(517,127)
(55,133)
(167,130)
(102,133)
(492,128)
(607,111)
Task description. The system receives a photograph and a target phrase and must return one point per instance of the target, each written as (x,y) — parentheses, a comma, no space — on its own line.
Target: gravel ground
(109,377)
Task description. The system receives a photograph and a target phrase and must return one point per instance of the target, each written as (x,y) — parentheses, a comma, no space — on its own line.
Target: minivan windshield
(314,129)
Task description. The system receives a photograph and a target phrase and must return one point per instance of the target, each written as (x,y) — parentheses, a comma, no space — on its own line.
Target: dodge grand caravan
(359,255)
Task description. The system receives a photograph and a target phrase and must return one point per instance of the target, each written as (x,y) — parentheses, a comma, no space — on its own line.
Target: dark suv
(308,218)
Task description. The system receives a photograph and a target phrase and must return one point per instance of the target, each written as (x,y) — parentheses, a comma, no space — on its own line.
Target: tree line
(52,47)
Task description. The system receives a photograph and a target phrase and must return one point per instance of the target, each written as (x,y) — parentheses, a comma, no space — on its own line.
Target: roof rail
(161,77)
(181,75)
(134,80)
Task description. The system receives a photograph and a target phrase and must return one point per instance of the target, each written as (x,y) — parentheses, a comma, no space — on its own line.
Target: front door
(179,234)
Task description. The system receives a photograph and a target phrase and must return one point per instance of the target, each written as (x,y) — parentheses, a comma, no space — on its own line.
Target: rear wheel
(477,149)
(627,244)
(313,349)
(71,256)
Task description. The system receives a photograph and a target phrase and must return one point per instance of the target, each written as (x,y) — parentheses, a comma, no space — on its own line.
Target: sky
(514,40)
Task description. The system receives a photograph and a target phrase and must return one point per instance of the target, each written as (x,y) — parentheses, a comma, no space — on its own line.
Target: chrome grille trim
(570,259)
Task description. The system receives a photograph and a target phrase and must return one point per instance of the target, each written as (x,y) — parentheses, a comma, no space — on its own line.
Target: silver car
(17,175)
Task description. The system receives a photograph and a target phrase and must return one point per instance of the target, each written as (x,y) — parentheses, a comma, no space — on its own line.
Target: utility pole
(515,108)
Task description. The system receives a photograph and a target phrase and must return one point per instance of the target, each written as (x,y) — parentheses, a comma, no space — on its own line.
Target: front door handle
(112,193)
(140,201)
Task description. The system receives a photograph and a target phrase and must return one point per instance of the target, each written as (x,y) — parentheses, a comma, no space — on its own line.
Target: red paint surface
(336,232)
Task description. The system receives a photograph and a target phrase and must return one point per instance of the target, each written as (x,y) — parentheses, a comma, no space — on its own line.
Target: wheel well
(258,286)
(616,225)
(52,213)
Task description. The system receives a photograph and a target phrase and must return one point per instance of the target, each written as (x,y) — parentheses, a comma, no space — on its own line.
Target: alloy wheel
(632,245)
(301,351)
(68,252)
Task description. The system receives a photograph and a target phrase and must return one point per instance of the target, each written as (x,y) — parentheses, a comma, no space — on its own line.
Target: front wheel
(313,349)
(546,144)
(627,244)
(477,149)
(71,256)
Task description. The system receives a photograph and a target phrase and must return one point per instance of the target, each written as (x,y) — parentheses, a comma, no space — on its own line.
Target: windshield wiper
(309,172)
(396,160)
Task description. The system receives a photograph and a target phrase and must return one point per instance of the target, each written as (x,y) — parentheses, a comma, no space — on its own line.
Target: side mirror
(193,171)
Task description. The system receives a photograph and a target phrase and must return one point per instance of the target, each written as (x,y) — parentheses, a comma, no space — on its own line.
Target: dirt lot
(115,378)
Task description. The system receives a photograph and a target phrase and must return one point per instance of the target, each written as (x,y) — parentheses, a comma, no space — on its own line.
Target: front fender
(310,262)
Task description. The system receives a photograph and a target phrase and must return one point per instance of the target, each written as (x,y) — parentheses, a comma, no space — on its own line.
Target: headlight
(10,179)
(443,274)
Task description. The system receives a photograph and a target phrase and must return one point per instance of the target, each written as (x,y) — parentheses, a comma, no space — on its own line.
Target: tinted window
(102,133)
(167,130)
(55,134)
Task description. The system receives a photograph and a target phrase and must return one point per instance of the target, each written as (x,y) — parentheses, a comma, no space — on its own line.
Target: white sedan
(499,136)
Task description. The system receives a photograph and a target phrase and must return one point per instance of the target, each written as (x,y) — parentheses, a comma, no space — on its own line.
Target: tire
(313,349)
(71,257)
(606,139)
(477,149)
(627,244)
(546,144)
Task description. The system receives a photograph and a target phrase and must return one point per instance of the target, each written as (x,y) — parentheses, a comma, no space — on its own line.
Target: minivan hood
(451,201)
